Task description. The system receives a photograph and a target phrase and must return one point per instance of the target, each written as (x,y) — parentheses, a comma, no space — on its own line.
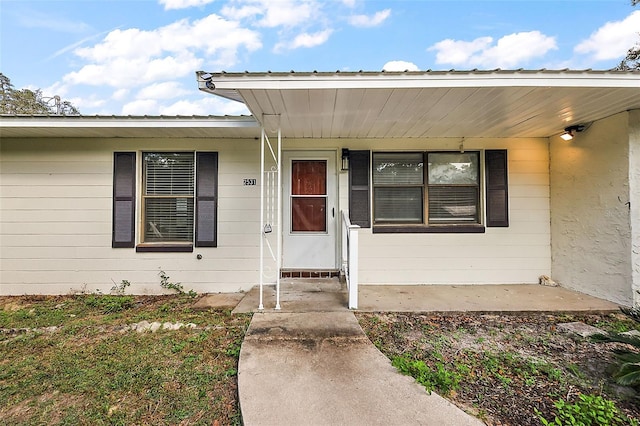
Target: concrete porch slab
(479,298)
(321,295)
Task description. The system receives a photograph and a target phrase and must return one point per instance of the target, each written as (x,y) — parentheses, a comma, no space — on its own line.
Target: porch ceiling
(428,104)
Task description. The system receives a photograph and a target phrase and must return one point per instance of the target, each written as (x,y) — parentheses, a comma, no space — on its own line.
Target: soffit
(428,104)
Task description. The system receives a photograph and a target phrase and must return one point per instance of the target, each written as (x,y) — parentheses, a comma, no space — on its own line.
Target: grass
(89,372)
(515,370)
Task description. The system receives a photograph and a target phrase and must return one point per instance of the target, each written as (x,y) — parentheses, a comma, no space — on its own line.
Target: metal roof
(52,126)
(419,104)
(373,104)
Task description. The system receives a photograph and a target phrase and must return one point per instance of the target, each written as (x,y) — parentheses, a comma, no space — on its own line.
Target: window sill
(165,247)
(430,229)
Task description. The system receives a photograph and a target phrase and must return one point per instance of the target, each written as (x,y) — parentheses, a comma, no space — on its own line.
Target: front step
(309,273)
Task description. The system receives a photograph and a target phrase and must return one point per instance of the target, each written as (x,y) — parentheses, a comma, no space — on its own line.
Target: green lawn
(91,370)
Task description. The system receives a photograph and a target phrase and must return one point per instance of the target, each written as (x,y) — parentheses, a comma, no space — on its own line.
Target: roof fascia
(226,82)
(141,123)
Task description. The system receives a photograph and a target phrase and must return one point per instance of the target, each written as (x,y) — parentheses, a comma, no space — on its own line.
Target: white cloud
(370,21)
(508,52)
(211,34)
(141,107)
(458,52)
(120,94)
(134,57)
(400,66)
(164,90)
(129,72)
(613,39)
(88,103)
(349,3)
(209,105)
(305,40)
(271,14)
(183,4)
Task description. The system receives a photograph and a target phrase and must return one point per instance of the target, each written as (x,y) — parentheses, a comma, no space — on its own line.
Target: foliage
(32,102)
(442,379)
(119,289)
(632,60)
(177,287)
(110,303)
(633,313)
(588,410)
(627,367)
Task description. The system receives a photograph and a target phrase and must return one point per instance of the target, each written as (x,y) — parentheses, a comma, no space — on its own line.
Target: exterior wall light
(206,77)
(345,159)
(568,131)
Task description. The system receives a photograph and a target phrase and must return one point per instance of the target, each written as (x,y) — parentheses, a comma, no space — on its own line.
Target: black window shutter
(497,188)
(359,199)
(124,200)
(206,199)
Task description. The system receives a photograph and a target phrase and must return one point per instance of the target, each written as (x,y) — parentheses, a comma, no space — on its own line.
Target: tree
(31,102)
(632,60)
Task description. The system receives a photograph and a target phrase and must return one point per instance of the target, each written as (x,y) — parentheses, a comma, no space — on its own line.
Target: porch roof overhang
(52,126)
(456,104)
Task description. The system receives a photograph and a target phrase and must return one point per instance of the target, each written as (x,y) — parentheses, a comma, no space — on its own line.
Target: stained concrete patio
(329,295)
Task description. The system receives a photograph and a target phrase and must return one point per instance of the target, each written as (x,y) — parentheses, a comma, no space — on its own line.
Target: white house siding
(517,254)
(590,221)
(56,212)
(634,199)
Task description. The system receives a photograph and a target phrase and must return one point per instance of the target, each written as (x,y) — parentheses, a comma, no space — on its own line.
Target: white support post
(272,185)
(350,258)
(261,272)
(353,266)
(279,216)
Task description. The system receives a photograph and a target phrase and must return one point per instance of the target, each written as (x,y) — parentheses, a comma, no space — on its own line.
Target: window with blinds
(398,187)
(168,196)
(453,187)
(446,191)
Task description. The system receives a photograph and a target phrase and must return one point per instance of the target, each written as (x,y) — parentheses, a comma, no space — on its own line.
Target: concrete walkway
(319,368)
(310,363)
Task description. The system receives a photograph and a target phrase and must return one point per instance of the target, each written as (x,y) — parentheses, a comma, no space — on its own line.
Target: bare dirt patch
(502,368)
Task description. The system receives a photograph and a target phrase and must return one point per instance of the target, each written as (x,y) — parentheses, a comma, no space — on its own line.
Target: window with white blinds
(453,187)
(168,192)
(398,187)
(445,191)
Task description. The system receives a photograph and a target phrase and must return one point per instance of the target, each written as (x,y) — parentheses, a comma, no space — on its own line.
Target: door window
(309,196)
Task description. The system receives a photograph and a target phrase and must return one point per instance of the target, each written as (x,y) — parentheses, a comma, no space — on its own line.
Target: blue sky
(139,57)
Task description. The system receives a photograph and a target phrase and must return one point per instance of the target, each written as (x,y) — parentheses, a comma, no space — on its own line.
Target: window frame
(426,225)
(128,214)
(175,245)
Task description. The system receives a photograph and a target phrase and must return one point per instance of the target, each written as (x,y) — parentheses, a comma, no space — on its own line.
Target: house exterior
(452,177)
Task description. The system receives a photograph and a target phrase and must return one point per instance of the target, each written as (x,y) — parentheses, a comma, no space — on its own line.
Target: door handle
(333,212)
